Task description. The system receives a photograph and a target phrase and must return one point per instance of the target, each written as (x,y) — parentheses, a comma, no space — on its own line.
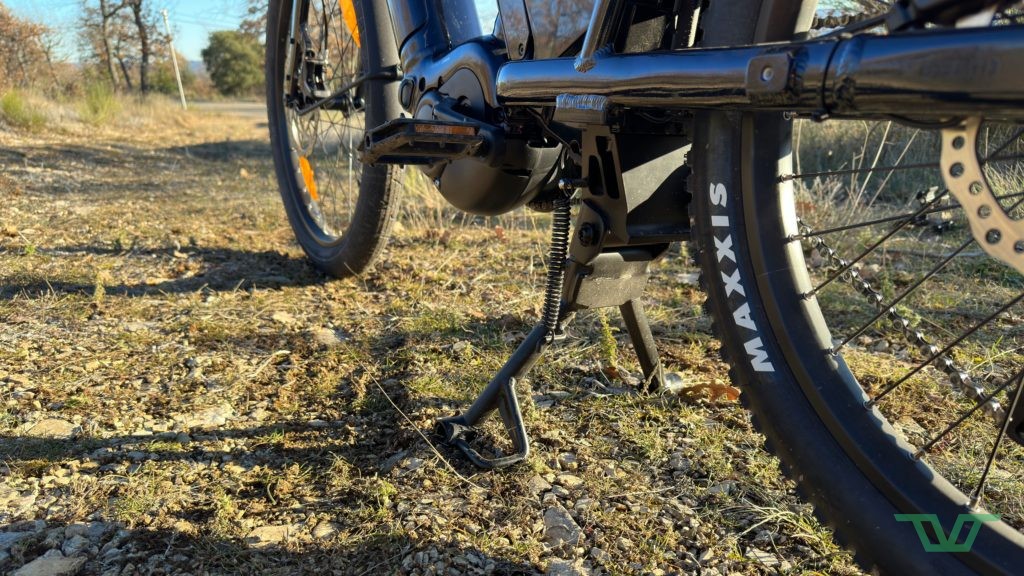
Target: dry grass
(149,275)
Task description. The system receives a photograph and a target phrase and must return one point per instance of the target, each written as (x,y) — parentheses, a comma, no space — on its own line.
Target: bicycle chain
(957,377)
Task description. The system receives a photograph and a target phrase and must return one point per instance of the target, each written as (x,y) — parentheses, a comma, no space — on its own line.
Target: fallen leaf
(715,391)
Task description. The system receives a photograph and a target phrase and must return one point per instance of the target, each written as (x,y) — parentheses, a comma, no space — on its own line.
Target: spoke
(876,244)
(991,159)
(945,350)
(788,177)
(928,445)
(910,215)
(976,497)
(1004,145)
(914,286)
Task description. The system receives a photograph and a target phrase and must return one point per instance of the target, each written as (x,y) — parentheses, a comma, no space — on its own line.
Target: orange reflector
(348,14)
(307,176)
(449,129)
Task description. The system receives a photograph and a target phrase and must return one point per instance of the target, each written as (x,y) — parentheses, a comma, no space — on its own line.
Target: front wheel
(317,51)
(878,347)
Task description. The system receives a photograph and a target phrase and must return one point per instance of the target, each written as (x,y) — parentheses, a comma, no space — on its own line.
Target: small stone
(392,461)
(766,558)
(600,555)
(559,527)
(329,338)
(233,469)
(19,379)
(325,530)
(210,417)
(559,491)
(537,485)
(679,463)
(584,504)
(413,464)
(8,539)
(53,428)
(268,535)
(74,545)
(570,481)
(565,568)
(283,317)
(722,487)
(567,461)
(53,563)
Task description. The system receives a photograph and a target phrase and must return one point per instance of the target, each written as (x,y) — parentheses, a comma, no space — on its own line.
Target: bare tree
(144,29)
(122,36)
(255,22)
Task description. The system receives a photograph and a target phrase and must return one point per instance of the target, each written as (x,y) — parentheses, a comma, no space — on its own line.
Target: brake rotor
(999,235)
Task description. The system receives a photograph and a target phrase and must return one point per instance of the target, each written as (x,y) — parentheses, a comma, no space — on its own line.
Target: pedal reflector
(415,141)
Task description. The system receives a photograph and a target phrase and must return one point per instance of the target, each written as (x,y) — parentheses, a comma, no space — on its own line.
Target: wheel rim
(323,142)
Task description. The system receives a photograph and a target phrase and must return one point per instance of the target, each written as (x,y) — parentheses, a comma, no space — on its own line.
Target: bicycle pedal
(415,141)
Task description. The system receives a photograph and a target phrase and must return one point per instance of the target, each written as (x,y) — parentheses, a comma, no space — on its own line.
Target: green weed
(14,110)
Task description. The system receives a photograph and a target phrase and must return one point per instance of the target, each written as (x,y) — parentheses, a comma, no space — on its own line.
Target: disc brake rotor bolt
(1018,246)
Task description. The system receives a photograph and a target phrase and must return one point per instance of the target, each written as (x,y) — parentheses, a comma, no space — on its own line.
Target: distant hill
(197,67)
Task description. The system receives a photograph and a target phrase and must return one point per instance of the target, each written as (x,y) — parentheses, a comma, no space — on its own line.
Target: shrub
(15,111)
(99,104)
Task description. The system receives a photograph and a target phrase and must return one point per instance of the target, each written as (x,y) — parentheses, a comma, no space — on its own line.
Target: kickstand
(643,343)
(500,394)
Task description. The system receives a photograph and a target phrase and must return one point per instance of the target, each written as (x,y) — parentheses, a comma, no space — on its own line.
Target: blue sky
(191,20)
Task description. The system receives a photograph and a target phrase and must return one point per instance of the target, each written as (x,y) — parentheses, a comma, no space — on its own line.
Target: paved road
(256,110)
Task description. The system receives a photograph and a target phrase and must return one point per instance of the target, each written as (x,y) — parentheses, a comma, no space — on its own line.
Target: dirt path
(253,110)
(183,394)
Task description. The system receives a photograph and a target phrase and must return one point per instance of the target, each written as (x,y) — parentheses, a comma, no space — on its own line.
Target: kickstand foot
(499,395)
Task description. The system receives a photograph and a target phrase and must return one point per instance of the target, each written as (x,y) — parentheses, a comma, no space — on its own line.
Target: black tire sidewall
(377,205)
(801,401)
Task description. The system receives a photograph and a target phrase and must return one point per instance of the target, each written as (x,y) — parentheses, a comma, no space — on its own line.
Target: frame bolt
(767,74)
(571,184)
(993,236)
(405,90)
(587,234)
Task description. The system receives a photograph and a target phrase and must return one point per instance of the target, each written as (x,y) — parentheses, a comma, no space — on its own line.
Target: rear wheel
(848,377)
(317,51)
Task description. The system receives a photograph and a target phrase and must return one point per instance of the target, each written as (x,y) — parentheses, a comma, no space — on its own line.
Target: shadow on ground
(183,543)
(112,549)
(225,151)
(220,269)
